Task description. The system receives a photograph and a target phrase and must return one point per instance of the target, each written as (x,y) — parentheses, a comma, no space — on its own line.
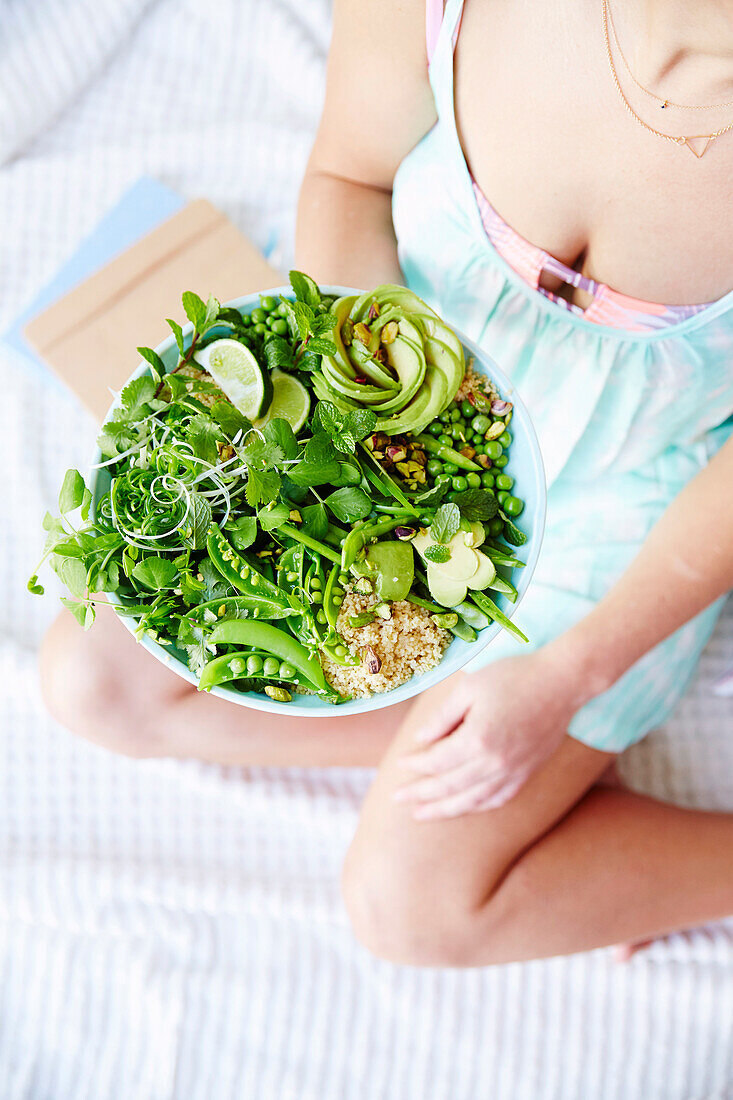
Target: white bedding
(173,931)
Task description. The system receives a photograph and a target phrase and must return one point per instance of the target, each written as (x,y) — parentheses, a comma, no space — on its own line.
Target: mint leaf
(349,504)
(328,417)
(177,332)
(280,432)
(273,516)
(344,429)
(319,345)
(212,312)
(278,353)
(511,532)
(229,418)
(197,523)
(323,323)
(477,504)
(360,423)
(431,498)
(242,532)
(194,309)
(304,317)
(305,289)
(72,492)
(315,520)
(227,315)
(156,573)
(437,553)
(445,524)
(154,360)
(291,318)
(262,487)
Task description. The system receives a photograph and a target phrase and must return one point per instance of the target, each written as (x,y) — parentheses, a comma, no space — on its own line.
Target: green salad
(310,470)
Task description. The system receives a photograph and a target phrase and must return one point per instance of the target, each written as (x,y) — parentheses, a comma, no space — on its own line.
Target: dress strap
(438,12)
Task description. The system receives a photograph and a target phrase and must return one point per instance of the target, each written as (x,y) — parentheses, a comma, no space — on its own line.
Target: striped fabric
(608,307)
(174,931)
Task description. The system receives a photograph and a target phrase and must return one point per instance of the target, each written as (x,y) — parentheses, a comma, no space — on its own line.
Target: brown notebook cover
(89,337)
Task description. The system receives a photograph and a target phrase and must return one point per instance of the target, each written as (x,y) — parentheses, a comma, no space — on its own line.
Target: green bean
(434,446)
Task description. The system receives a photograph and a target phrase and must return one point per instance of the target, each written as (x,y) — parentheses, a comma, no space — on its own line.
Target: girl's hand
(490,734)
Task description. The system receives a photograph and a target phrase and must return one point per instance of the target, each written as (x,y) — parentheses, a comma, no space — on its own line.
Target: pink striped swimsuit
(608,307)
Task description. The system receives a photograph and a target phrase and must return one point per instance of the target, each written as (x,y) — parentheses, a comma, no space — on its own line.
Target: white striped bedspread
(174,931)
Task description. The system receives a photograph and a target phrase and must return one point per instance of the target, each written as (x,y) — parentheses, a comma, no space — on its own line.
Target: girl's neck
(679,49)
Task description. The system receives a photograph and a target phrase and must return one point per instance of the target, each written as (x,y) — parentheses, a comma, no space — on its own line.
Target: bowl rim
(416,684)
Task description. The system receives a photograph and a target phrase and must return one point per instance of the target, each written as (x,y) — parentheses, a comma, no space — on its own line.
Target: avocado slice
(427,403)
(485,573)
(444,589)
(425,317)
(408,361)
(340,309)
(442,357)
(368,395)
(363,363)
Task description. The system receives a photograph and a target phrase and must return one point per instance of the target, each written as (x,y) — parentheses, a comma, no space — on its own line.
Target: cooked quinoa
(407,645)
(473,382)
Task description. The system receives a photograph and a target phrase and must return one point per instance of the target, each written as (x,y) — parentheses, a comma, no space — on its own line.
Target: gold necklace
(678,140)
(661,100)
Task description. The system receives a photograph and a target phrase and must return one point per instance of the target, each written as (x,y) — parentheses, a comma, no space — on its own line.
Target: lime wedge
(238,374)
(290,401)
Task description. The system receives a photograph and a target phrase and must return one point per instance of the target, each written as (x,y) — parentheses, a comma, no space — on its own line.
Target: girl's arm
(506,720)
(378,105)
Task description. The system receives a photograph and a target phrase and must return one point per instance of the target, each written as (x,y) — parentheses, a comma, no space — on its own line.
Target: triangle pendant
(702,148)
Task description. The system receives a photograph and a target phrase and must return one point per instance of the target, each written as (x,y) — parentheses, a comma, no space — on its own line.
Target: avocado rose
(395,356)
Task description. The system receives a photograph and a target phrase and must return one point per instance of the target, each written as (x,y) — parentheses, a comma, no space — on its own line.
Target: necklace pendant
(703,148)
(664,104)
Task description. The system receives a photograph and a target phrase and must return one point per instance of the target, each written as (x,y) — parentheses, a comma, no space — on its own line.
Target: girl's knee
(84,687)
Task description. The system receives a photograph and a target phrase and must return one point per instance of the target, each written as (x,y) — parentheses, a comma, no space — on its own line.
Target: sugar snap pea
(235,569)
(359,537)
(271,640)
(431,444)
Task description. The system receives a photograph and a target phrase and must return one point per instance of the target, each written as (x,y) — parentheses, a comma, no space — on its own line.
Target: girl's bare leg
(560,868)
(105,687)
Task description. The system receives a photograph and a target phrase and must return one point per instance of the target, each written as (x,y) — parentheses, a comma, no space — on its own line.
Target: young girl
(556,183)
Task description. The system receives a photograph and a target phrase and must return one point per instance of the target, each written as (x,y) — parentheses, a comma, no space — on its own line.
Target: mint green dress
(624,419)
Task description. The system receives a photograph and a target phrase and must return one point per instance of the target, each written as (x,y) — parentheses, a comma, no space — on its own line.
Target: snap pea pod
(247,665)
(440,450)
(499,557)
(270,639)
(499,584)
(461,629)
(235,569)
(311,543)
(242,607)
(359,536)
(488,606)
(333,597)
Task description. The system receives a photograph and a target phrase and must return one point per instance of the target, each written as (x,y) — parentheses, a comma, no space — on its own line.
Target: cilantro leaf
(242,532)
(203,434)
(280,432)
(349,504)
(512,533)
(437,553)
(445,524)
(229,418)
(158,574)
(136,395)
(262,487)
(315,520)
(177,332)
(477,504)
(192,639)
(262,453)
(305,289)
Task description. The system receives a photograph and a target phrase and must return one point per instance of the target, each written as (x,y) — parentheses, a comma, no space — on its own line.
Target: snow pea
(431,444)
(488,606)
(394,564)
(359,536)
(246,665)
(271,640)
(253,605)
(461,629)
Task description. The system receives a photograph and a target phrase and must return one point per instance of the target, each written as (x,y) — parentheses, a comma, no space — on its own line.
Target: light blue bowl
(528,472)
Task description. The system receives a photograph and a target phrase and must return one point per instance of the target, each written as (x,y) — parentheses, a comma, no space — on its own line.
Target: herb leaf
(305,289)
(242,532)
(154,360)
(262,487)
(177,332)
(280,432)
(272,517)
(445,524)
(477,504)
(72,492)
(156,573)
(512,533)
(230,419)
(344,429)
(437,553)
(278,353)
(349,504)
(315,520)
(199,520)
(195,309)
(82,611)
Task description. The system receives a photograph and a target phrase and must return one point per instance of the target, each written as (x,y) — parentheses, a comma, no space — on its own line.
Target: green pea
(280,327)
(474,480)
(436,428)
(487,479)
(316,596)
(343,579)
(287,671)
(261,327)
(321,616)
(444,478)
(340,650)
(481,424)
(495,526)
(254,664)
(258,316)
(458,433)
(505,439)
(502,495)
(459,484)
(514,506)
(291,577)
(501,461)
(316,582)
(444,417)
(268,303)
(455,414)
(246,320)
(282,309)
(494,449)
(504,481)
(467,410)
(434,467)
(425,519)
(477,440)
(450,469)
(271,667)
(446,440)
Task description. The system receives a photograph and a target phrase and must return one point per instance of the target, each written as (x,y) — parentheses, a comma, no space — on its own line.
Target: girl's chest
(558,155)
